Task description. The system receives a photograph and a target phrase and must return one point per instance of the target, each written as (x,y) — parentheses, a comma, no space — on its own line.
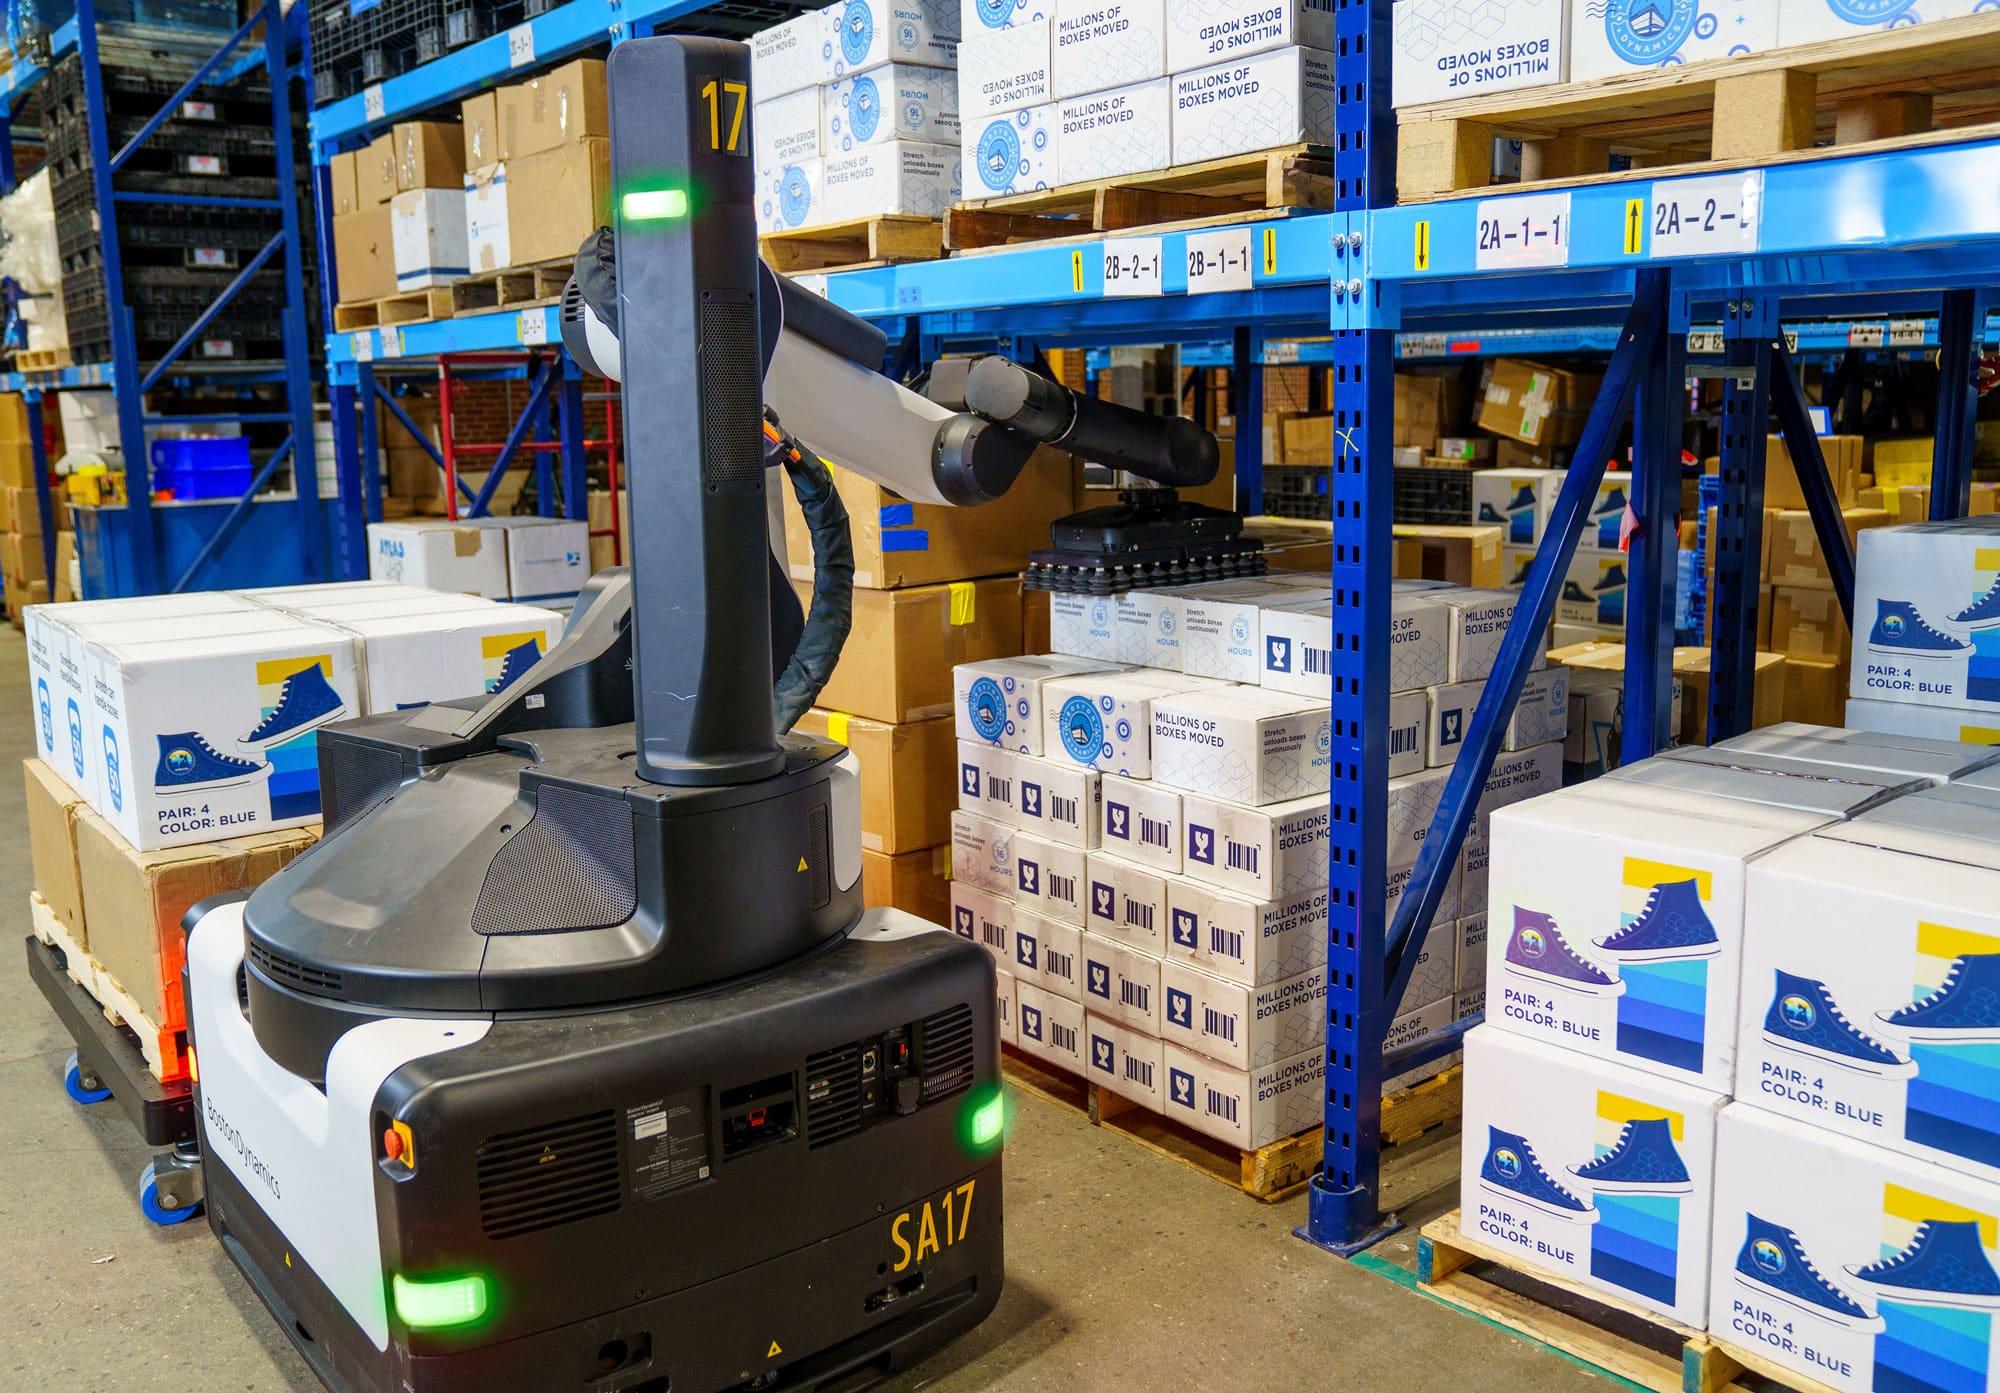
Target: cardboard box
(1049,1027)
(1101,45)
(1808,623)
(1595,588)
(1579,878)
(558,108)
(479,130)
(897,101)
(1282,97)
(891,176)
(1243,744)
(1520,501)
(555,199)
(1795,558)
(785,58)
(1430,406)
(1298,646)
(1933,722)
(1049,953)
(1901,463)
(1597,704)
(1478,622)
(1533,403)
(896,665)
(1142,821)
(1471,972)
(429,155)
(982,853)
(364,258)
(917,882)
(1607,45)
(1058,802)
(1924,596)
(1446,50)
(1909,503)
(1433,980)
(786,129)
(986,780)
(906,776)
(52,811)
(1201,33)
(1767,695)
(898,543)
(1127,903)
(1846,458)
(1127,130)
(1251,942)
(1104,720)
(413,659)
(1244,1108)
(1466,556)
(427,234)
(17,464)
(1049,878)
(1014,152)
(1559,1150)
(791,196)
(1005,69)
(375,170)
(134,902)
(1221,624)
(1122,982)
(982,917)
(864,34)
(1242,1026)
(343,175)
(488,245)
(1790,1197)
(1816,690)
(1125,1061)
(1260,854)
(463,556)
(1001,701)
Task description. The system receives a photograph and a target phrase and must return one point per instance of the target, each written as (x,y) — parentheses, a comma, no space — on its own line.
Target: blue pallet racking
(145,548)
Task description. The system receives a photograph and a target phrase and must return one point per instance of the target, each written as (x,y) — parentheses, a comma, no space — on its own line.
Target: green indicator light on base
(983,1119)
(651,205)
(437,1305)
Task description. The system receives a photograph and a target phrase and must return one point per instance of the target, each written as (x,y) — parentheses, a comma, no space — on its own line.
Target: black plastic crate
(1433,497)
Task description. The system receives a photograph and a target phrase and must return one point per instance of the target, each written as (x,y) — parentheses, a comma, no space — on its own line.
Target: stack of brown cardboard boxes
(933,587)
(537,176)
(24,578)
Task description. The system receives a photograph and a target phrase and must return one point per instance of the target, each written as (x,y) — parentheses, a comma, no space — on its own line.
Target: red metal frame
(450,448)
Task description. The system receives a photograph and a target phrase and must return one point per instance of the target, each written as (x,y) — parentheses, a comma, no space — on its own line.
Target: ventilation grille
(833,1095)
(543,1177)
(353,779)
(822,854)
(732,400)
(290,972)
(944,1058)
(570,868)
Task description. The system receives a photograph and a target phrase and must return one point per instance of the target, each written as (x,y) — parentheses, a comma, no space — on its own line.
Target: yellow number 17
(738,93)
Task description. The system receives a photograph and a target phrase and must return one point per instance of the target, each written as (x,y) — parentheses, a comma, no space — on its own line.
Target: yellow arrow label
(1270,251)
(802,864)
(1423,246)
(773,1352)
(1635,226)
(1076,272)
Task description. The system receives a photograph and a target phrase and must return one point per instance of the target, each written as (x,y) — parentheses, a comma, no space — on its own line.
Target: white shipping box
(1594,590)
(1278,851)
(999,700)
(787,129)
(1127,903)
(1927,614)
(1048,953)
(1477,626)
(1871,978)
(1246,1109)
(1083,626)
(1003,991)
(1449,48)
(891,176)
(1244,1027)
(1128,130)
(1597,1173)
(1812,21)
(1540,716)
(1409,722)
(547,558)
(1471,975)
(1104,720)
(864,34)
(1142,822)
(1201,33)
(1608,39)
(489,244)
(1060,803)
(1519,500)
(1514,565)
(1148,625)
(785,58)
(982,853)
(1048,1026)
(1101,44)
(1410,1028)
(1449,721)
(1283,97)
(1616,922)
(1960,723)
(897,101)
(205,738)
(1121,982)
(1937,761)
(1245,941)
(1434,979)
(1014,152)
(1124,1060)
(464,556)
(1221,623)
(986,781)
(978,16)
(1050,878)
(1398,881)
(1298,645)
(984,918)
(1002,70)
(1856,1267)
(427,237)
(790,196)
(413,659)
(1245,744)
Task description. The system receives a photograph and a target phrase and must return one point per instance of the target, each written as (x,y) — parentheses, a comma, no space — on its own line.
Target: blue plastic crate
(202,467)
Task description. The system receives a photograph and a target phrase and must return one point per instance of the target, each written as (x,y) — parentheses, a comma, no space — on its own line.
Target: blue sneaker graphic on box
(1983,613)
(1573,593)
(1643,1163)
(1805,1019)
(1771,1263)
(1673,926)
(189,762)
(306,702)
(1945,1265)
(1964,1010)
(1489,513)
(1901,631)
(514,666)
(1512,1171)
(1536,950)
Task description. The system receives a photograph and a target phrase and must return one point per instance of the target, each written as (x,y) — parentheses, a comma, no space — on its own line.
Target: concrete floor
(1125,1270)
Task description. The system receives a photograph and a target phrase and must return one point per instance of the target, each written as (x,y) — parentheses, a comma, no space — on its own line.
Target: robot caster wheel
(82,1083)
(170,1189)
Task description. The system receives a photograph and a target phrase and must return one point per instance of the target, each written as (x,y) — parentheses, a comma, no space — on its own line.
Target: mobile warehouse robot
(569,1058)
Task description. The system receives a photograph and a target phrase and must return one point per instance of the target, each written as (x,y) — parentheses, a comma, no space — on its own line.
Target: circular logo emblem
(1871,11)
(857,30)
(986,708)
(1166,623)
(1797,1013)
(1082,729)
(1893,626)
(180,762)
(1100,614)
(1324,740)
(1645,32)
(1507,1164)
(1531,942)
(998,155)
(1021,708)
(994,14)
(1105,704)
(795,203)
(906,35)
(1124,730)
(864,108)
(47,713)
(1768,1256)
(1239,630)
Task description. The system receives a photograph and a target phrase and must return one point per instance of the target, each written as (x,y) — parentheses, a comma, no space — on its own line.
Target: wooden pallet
(165,1051)
(406,307)
(41,359)
(1270,1173)
(1298,176)
(1923,83)
(1620,1337)
(514,287)
(890,237)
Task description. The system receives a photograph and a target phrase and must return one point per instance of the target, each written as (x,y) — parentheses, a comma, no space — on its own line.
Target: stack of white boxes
(856,113)
(189,718)
(1630,982)
(1067,91)
(1927,631)
(534,559)
(1591,604)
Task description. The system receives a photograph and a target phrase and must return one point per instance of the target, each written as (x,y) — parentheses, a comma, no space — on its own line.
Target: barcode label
(1153,832)
(1063,1037)
(1062,810)
(998,789)
(1218,1025)
(1222,1105)
(1059,964)
(1225,943)
(1318,662)
(1406,740)
(1139,1071)
(1139,915)
(1061,888)
(1137,995)
(993,934)
(1242,858)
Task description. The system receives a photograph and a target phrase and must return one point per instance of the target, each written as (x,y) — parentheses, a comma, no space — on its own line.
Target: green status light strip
(653,205)
(440,1303)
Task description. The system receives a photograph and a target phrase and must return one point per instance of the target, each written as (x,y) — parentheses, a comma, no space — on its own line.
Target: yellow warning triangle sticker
(773,1352)
(802,863)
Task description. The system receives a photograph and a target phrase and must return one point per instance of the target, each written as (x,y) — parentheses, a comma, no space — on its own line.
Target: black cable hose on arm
(831,615)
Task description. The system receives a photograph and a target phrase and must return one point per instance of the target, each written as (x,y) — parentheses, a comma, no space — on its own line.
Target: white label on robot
(1218,261)
(1133,266)
(1716,216)
(1866,335)
(1909,333)
(520,45)
(1525,232)
(534,326)
(363,346)
(371,102)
